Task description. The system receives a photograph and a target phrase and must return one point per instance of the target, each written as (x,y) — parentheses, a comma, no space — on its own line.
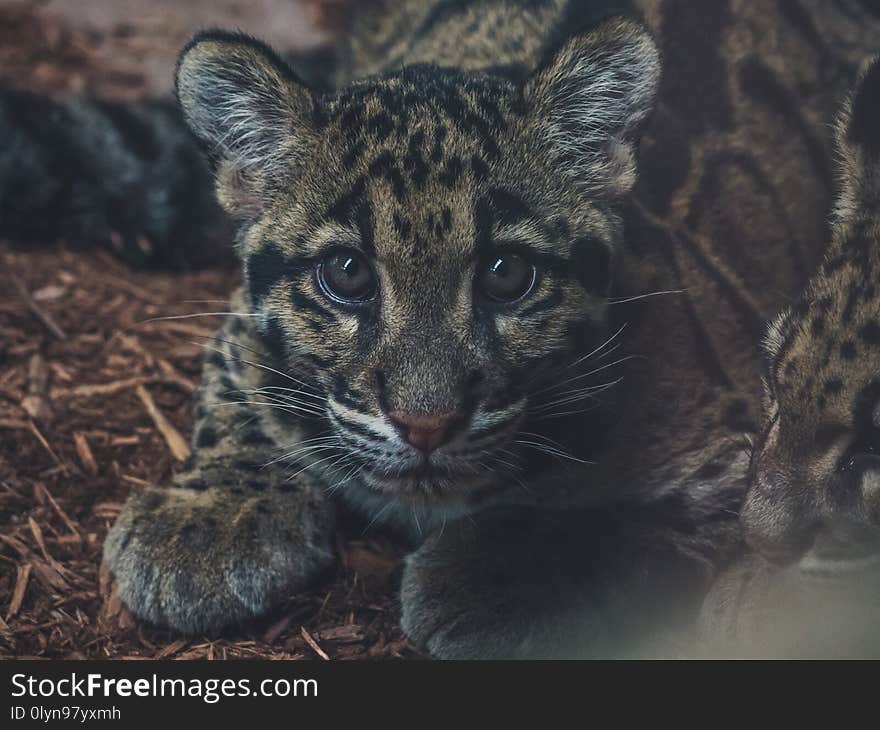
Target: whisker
(284,392)
(550,446)
(624,300)
(563,414)
(311,466)
(593,353)
(574,396)
(261,366)
(310,449)
(285,402)
(599,369)
(379,513)
(172,317)
(551,451)
(264,404)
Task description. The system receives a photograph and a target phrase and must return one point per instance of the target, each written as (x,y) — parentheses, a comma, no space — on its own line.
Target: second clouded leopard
(447,322)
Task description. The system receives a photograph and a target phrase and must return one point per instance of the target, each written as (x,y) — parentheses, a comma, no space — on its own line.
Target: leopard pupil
(508,278)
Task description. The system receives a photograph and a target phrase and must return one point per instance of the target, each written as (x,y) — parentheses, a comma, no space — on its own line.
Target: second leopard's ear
(858,147)
(589,101)
(253,116)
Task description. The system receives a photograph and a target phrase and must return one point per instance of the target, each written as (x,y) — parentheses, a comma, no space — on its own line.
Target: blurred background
(125,48)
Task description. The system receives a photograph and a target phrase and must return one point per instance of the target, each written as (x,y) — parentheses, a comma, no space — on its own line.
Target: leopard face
(423,247)
(817,462)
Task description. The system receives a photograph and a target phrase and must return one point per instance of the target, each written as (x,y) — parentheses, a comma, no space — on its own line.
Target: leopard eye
(346,276)
(508,277)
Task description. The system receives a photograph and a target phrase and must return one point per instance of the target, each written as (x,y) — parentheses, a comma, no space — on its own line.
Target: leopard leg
(517,583)
(235,534)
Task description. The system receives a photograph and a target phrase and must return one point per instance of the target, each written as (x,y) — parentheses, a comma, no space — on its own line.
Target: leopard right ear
(589,101)
(254,117)
(858,147)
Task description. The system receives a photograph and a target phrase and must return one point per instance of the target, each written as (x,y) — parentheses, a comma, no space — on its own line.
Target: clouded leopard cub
(447,273)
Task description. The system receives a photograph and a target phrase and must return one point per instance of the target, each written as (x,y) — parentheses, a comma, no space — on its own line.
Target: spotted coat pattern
(457,129)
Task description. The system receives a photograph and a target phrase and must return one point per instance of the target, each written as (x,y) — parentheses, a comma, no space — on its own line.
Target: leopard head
(422,245)
(816,464)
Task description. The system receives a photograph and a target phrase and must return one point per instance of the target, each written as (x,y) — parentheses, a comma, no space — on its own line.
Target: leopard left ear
(589,101)
(254,117)
(858,146)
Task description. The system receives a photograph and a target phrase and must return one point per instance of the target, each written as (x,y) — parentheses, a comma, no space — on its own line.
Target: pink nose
(426,431)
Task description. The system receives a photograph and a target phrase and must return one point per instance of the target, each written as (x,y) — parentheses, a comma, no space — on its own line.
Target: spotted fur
(569,512)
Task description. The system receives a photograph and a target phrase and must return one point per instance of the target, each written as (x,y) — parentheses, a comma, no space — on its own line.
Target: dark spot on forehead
(380,126)
(402,225)
(439,138)
(479,169)
(832,386)
(414,162)
(452,172)
(870,333)
(344,208)
(353,154)
(507,206)
(385,166)
(353,208)
(849,307)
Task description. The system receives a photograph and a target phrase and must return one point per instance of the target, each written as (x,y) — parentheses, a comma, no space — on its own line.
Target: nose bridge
(425,369)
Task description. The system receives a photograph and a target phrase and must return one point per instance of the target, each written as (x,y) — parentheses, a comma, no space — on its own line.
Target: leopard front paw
(439,620)
(462,597)
(201,561)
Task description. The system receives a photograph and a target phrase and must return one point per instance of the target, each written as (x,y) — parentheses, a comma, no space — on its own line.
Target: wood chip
(314,644)
(45,445)
(117,386)
(125,440)
(43,316)
(136,481)
(41,489)
(37,532)
(172,649)
(14,425)
(84,452)
(49,576)
(36,403)
(21,582)
(177,445)
(49,292)
(344,634)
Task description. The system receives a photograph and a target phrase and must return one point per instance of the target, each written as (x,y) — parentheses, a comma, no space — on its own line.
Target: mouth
(425,470)
(426,480)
